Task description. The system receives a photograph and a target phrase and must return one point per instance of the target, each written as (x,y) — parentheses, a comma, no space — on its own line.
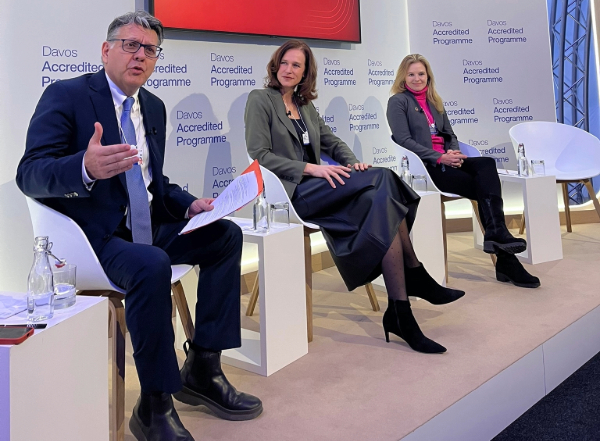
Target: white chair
(569,153)
(276,193)
(70,243)
(417,167)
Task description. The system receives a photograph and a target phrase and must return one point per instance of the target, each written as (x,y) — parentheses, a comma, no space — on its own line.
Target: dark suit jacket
(410,128)
(57,138)
(272,139)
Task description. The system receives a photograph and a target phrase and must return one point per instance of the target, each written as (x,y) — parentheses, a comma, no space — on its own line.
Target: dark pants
(476,179)
(144,272)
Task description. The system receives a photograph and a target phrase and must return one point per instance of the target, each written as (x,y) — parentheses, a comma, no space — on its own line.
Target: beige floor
(352,385)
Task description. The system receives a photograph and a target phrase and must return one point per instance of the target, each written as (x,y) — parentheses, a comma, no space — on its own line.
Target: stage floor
(353,385)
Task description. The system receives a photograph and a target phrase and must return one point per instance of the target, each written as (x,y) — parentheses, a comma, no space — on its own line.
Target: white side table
(54,385)
(282,300)
(427,237)
(542,220)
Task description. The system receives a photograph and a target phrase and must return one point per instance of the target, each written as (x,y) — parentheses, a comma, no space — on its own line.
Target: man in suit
(95,152)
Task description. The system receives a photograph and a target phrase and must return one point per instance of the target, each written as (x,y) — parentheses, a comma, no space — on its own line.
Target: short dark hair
(307,89)
(140,18)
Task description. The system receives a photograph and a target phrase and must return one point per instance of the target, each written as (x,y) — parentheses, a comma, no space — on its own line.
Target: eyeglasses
(132,46)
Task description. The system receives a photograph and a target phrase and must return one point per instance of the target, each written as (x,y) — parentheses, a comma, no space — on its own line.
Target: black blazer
(410,128)
(57,138)
(272,139)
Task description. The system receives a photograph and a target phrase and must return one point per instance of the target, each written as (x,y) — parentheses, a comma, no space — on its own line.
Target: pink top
(421,96)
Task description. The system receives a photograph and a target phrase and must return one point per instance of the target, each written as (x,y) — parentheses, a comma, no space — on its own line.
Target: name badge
(305,139)
(432,129)
(139,155)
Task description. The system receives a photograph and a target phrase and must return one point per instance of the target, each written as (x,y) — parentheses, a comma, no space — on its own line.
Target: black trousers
(476,179)
(144,272)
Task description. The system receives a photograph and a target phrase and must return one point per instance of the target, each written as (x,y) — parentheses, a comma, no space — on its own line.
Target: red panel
(322,19)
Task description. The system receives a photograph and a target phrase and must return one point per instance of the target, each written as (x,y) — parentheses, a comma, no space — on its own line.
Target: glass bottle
(405,171)
(522,164)
(260,213)
(40,285)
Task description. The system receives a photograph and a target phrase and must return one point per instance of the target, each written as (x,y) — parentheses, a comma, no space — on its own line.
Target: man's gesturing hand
(106,161)
(200,205)
(327,172)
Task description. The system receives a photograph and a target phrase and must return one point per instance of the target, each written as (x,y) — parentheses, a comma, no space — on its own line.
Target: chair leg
(372,297)
(522,227)
(445,241)
(184,310)
(253,297)
(308,279)
(476,210)
(565,190)
(118,368)
(592,194)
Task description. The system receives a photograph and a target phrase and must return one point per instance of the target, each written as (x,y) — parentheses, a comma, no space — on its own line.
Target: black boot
(204,383)
(420,284)
(155,419)
(398,319)
(509,269)
(497,237)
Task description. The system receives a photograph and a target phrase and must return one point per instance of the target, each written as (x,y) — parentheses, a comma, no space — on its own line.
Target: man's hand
(327,172)
(200,205)
(106,161)
(453,158)
(360,166)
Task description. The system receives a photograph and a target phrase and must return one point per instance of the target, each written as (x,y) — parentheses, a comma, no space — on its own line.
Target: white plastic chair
(70,243)
(417,167)
(276,193)
(569,153)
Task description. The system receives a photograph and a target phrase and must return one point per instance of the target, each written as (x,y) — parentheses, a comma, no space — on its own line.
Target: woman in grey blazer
(364,212)
(419,123)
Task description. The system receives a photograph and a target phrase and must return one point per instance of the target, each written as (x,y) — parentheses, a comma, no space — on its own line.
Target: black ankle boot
(398,319)
(509,269)
(420,284)
(497,237)
(155,419)
(204,383)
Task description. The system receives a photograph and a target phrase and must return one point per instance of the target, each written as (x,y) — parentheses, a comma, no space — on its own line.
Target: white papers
(238,193)
(507,172)
(11,304)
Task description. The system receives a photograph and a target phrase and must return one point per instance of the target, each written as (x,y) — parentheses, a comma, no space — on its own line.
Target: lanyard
(432,129)
(305,139)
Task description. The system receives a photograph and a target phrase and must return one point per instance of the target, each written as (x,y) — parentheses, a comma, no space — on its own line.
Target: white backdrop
(204,80)
(493,69)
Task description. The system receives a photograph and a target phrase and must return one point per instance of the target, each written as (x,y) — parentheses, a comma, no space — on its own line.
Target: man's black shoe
(154,419)
(204,383)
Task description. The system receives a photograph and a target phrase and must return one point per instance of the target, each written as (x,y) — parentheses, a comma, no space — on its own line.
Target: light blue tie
(138,215)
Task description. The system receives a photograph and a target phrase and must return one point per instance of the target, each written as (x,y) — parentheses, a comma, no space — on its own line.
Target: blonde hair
(399,85)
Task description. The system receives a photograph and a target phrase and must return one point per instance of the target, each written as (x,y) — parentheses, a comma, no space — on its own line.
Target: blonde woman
(419,123)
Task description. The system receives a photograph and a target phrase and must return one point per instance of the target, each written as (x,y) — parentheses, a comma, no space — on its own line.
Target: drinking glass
(64,285)
(280,212)
(538,168)
(419,183)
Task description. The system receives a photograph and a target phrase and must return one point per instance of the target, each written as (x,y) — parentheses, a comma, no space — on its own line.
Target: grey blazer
(410,128)
(272,139)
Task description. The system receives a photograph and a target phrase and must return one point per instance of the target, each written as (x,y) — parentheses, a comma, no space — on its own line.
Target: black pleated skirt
(359,220)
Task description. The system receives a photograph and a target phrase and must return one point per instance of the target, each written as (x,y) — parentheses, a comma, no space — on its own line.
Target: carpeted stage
(507,348)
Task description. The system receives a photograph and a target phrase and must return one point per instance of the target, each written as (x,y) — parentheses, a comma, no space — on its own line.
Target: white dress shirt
(138,123)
